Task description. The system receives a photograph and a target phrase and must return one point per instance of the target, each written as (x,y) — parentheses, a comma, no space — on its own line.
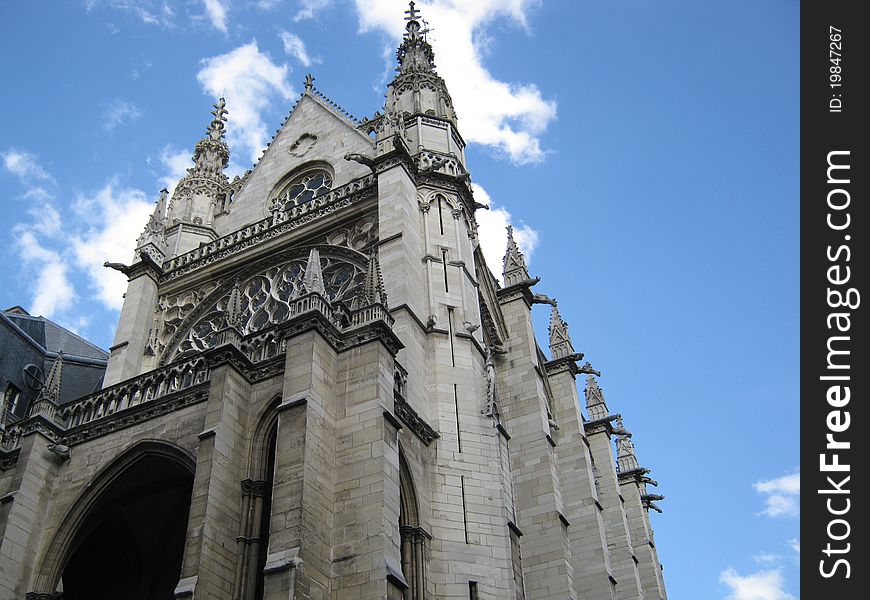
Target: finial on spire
(216,128)
(314,274)
(415,54)
(514,270)
(374,284)
(309,82)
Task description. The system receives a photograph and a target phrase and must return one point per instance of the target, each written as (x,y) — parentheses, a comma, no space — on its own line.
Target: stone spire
(625,456)
(560,340)
(153,239)
(514,270)
(373,289)
(417,89)
(46,403)
(197,192)
(51,389)
(595,404)
(313,280)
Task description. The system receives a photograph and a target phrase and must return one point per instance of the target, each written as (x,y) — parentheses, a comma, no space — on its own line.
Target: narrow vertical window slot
(456,409)
(440,216)
(444,262)
(472,591)
(450,331)
(464,509)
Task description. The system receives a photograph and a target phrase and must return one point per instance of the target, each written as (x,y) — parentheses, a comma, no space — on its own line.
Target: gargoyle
(587,368)
(543,299)
(125,269)
(470,327)
(361,159)
(429,163)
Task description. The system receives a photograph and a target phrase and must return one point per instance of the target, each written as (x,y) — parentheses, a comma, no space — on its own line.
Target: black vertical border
(824,131)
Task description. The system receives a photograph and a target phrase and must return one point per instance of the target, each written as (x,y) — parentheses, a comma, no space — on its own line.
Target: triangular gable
(314,132)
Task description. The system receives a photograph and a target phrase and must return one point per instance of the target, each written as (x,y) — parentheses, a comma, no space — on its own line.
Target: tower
(319,390)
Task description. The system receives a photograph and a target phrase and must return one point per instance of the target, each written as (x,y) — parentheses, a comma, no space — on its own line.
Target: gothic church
(318,390)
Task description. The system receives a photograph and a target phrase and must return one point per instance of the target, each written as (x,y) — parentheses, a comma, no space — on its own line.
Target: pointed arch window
(414,538)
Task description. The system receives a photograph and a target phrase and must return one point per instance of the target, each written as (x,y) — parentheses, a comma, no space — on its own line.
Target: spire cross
(411,12)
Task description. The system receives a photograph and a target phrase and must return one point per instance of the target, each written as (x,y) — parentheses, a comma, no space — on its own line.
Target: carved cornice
(414,421)
(146,266)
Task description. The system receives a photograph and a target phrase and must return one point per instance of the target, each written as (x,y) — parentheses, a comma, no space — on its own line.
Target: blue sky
(646,152)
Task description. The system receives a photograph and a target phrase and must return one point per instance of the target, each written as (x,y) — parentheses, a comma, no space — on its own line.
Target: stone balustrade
(282,217)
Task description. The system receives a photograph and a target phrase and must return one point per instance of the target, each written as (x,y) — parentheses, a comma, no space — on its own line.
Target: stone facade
(350,405)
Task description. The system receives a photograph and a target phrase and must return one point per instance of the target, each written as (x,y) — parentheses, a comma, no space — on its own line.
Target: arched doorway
(130,535)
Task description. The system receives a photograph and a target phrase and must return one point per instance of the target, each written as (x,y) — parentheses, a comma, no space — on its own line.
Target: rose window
(305,189)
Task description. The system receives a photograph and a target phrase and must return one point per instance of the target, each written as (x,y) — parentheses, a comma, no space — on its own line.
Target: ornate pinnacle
(313,280)
(625,456)
(560,340)
(234,308)
(415,54)
(514,270)
(47,401)
(309,82)
(373,289)
(595,404)
(51,389)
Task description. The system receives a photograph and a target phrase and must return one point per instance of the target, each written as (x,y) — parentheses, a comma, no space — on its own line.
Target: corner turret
(192,208)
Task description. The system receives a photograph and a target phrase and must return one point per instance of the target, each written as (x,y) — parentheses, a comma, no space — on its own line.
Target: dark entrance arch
(126,538)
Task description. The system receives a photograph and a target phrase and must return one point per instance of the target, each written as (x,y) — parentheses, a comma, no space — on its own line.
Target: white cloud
(117,112)
(294,46)
(117,218)
(174,163)
(492,231)
(217,13)
(248,79)
(783,495)
(46,219)
(764,585)
(150,12)
(308,9)
(52,292)
(767,558)
(795,544)
(509,117)
(25,166)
